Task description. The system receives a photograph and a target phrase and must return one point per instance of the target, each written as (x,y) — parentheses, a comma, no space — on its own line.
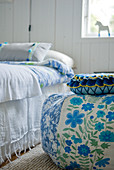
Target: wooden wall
(58,22)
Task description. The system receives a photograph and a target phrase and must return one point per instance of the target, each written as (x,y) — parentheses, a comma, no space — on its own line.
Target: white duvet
(16,83)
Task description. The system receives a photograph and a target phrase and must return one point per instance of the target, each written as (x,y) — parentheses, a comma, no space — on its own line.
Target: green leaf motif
(94,142)
(84,162)
(69,109)
(74,148)
(99,152)
(80,128)
(103,120)
(89,136)
(87,159)
(109,127)
(58,151)
(62,159)
(66,135)
(112,108)
(76,156)
(89,127)
(68,129)
(64,140)
(84,121)
(78,134)
(90,122)
(86,143)
(75,107)
(91,161)
(72,157)
(110,122)
(94,136)
(58,136)
(95,132)
(90,112)
(106,106)
(73,153)
(93,151)
(65,155)
(99,159)
(105,145)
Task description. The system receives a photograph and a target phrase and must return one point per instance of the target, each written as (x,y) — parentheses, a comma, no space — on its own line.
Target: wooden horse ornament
(102,28)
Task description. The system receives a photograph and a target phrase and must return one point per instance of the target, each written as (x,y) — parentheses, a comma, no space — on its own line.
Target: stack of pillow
(31,52)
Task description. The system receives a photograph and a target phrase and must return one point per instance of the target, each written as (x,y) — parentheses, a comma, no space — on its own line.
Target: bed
(24,85)
(77,128)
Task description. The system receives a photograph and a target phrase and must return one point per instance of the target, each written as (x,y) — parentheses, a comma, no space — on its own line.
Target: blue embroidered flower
(76,140)
(83,150)
(91,117)
(76,101)
(106,136)
(67,149)
(100,106)
(68,142)
(87,106)
(99,126)
(74,119)
(58,144)
(100,113)
(110,116)
(102,162)
(108,99)
(72,165)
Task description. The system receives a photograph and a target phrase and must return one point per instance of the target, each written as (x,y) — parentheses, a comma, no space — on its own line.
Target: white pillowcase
(24,51)
(60,56)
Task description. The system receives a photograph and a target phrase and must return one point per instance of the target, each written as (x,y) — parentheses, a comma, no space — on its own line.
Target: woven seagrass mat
(35,159)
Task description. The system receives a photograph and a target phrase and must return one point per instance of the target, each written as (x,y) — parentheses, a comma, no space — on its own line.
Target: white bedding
(22,93)
(17,82)
(20,122)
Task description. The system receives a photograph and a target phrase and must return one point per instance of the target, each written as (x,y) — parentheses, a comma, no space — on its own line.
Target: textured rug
(35,159)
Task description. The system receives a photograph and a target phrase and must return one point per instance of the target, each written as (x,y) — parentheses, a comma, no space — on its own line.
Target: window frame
(85,22)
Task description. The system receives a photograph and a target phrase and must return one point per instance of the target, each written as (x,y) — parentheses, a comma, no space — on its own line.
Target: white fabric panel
(16,83)
(20,122)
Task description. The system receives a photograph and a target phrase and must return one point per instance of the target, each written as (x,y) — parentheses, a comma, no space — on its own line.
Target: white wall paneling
(21,20)
(85,61)
(111,56)
(64,25)
(6,22)
(58,22)
(43,20)
(99,57)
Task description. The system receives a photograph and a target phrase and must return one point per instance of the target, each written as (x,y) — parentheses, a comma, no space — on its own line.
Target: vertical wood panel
(6,22)
(85,58)
(111,57)
(64,26)
(99,57)
(76,57)
(43,20)
(21,20)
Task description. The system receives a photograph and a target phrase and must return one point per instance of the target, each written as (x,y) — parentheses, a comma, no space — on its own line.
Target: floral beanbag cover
(78,131)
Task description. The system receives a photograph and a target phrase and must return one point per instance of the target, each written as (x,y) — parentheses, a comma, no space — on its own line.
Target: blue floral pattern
(82,133)
(52,72)
(87,106)
(110,116)
(83,150)
(74,119)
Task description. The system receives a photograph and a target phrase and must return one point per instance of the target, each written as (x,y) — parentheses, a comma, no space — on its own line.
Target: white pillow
(24,51)
(60,56)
